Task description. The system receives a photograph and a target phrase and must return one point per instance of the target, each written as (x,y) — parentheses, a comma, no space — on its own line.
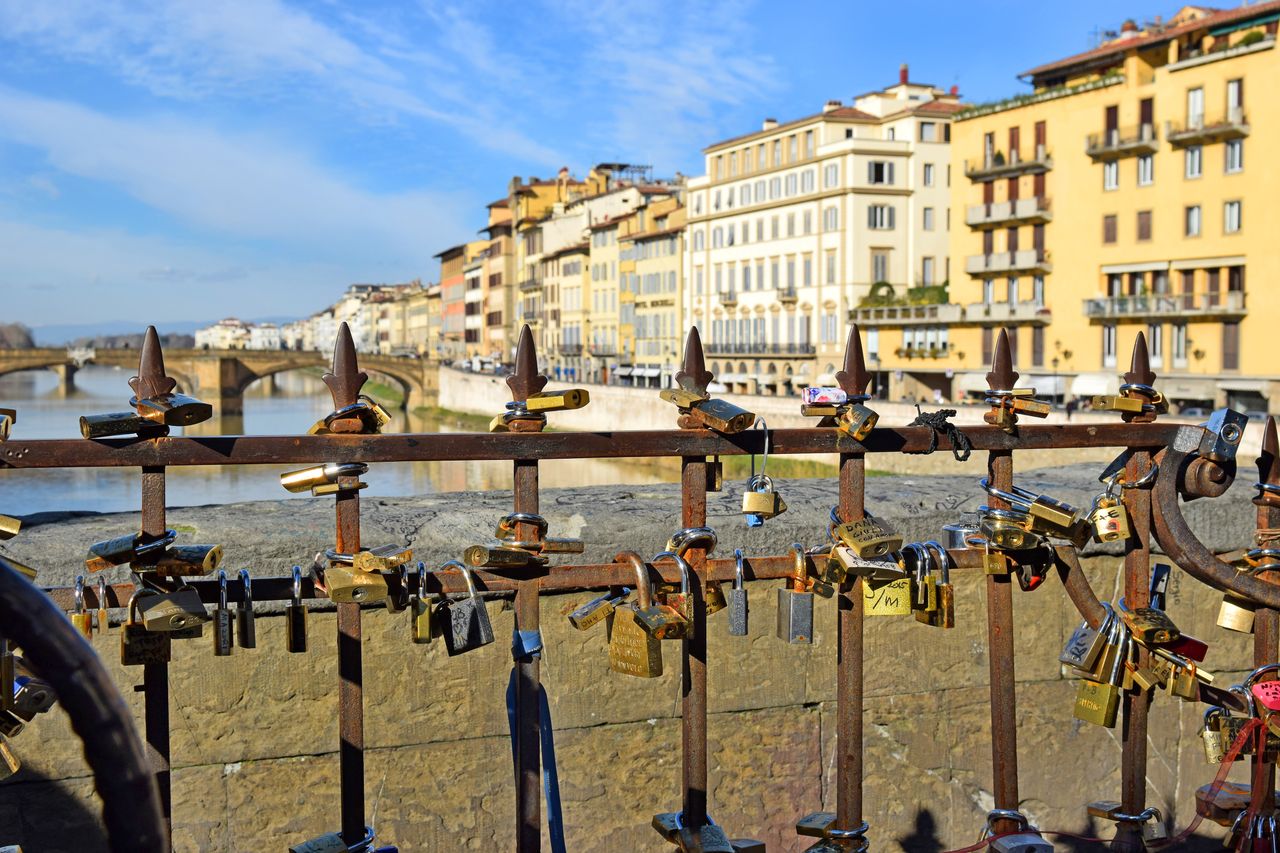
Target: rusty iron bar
(155,676)
(1266,620)
(1137,592)
(1004,711)
(850,616)
(453,447)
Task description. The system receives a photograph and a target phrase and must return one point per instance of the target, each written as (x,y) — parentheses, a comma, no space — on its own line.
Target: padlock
(1222,435)
(1007,529)
(1023,840)
(330,843)
(321,475)
(867,537)
(558,401)
(597,610)
(482,556)
(9,527)
(943,613)
(738,612)
(81,618)
(343,582)
(760,501)
(182,561)
(120,423)
(1236,614)
(104,617)
(422,625)
(814,396)
(1098,700)
(857,420)
(246,631)
(689,537)
(1148,625)
(138,646)
(633,650)
(133,547)
(384,558)
(173,409)
(1117,403)
(795,604)
(670,616)
(721,416)
(468,625)
(173,611)
(715,474)
(1213,736)
(1087,643)
(223,633)
(295,617)
(8,417)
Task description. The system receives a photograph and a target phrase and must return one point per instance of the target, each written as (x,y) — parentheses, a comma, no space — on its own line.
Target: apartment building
(795,225)
(608,338)
(651,255)
(1129,191)
(499,270)
(459,276)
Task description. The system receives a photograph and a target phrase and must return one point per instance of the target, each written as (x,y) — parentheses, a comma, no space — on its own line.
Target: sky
(180,161)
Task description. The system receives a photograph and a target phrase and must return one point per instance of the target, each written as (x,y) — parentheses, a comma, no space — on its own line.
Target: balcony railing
(603,350)
(1022,211)
(1176,305)
(531,284)
(922,352)
(530,315)
(760,349)
(1122,142)
(1197,130)
(995,164)
(1024,260)
(903,315)
(787,296)
(1034,313)
(729,297)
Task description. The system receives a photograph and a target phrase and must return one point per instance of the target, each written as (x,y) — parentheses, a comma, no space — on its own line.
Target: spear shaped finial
(525,380)
(151,381)
(1140,366)
(1269,458)
(853,380)
(1002,375)
(345,379)
(694,375)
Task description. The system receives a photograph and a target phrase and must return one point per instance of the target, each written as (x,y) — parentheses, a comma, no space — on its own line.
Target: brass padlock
(681,541)
(321,475)
(183,561)
(597,610)
(330,843)
(633,650)
(422,622)
(344,583)
(669,618)
(867,537)
(9,527)
(9,763)
(173,409)
(81,618)
(8,417)
(1107,517)
(174,611)
(760,501)
(558,401)
(1005,529)
(681,398)
(138,646)
(857,420)
(483,556)
(384,558)
(1148,625)
(131,548)
(120,423)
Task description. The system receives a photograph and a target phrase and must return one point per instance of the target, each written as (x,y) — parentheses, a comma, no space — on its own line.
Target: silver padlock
(1223,432)
(738,597)
(1024,840)
(795,603)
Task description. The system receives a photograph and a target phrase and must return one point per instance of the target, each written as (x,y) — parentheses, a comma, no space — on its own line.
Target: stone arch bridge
(221,377)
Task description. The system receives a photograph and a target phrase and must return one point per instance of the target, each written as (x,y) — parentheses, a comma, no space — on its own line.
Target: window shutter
(889,173)
(890,211)
(871,216)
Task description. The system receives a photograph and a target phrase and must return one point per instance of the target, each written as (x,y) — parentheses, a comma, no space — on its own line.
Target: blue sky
(193,160)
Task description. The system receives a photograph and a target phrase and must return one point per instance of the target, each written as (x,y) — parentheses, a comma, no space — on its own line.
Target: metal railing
(1232,124)
(1036,260)
(1210,304)
(1022,210)
(760,349)
(348,439)
(1123,142)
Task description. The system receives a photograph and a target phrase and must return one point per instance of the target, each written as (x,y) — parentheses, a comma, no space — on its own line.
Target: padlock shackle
(297,584)
(222,589)
(739,569)
(509,521)
(764,458)
(686,571)
(942,559)
(132,606)
(1259,672)
(79,594)
(247,583)
(686,538)
(800,570)
(140,549)
(1007,497)
(644,589)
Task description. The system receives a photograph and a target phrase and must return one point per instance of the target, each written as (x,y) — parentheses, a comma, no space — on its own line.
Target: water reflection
(287,404)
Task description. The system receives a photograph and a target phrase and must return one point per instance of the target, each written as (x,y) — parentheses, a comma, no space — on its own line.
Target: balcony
(530,315)
(1029,313)
(729,298)
(571,349)
(908,315)
(922,352)
(531,284)
(1122,142)
(603,350)
(1229,305)
(760,349)
(1025,260)
(996,165)
(1198,131)
(1023,211)
(787,296)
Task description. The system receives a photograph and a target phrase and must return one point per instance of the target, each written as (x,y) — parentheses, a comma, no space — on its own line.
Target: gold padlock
(138,646)
(344,583)
(179,610)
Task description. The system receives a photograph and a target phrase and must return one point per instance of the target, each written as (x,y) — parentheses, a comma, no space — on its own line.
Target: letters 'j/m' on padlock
(633,650)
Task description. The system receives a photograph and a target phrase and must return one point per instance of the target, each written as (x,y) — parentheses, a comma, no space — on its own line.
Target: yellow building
(608,340)
(1130,191)
(563,283)
(650,251)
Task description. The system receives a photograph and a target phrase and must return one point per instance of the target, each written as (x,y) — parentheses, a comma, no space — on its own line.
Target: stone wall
(255,734)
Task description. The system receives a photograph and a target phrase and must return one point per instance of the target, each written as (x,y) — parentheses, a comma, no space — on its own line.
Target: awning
(646,371)
(734,377)
(826,380)
(799,380)
(1093,384)
(1149,266)
(1046,386)
(1258,385)
(1208,263)
(968,383)
(622,371)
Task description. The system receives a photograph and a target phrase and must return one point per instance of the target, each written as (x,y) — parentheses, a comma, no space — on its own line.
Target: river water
(288,405)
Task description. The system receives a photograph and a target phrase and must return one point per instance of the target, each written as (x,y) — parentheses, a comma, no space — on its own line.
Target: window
(1111,175)
(759,229)
(808,143)
(791,225)
(926,271)
(1191,221)
(791,184)
(831,218)
(1037,290)
(1194,157)
(744,195)
(791,272)
(1231,217)
(773,228)
(774,274)
(759,191)
(1108,346)
(808,271)
(717,238)
(715,204)
(806,181)
(1155,344)
(879,172)
(777,152)
(928,174)
(733,163)
(775,188)
(873,343)
(830,175)
(699,240)
(880,217)
(746,276)
(731,231)
(988,296)
(879,265)
(1037,347)
(1230,346)
(831,267)
(1144,225)
(1180,345)
(760,161)
(1195,107)
(1235,94)
(697,204)
(928,131)
(1109,228)
(792,150)
(1011,291)
(1146,170)
(1234,152)
(697,279)
(928,219)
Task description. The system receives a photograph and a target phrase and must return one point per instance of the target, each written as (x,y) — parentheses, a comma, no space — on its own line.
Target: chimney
(769,124)
(902,74)
(831,105)
(955,91)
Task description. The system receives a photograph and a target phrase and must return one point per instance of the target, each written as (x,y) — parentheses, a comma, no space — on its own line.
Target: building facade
(651,252)
(798,224)
(1129,192)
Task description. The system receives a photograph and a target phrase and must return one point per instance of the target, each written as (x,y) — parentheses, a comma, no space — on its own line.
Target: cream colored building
(651,249)
(794,224)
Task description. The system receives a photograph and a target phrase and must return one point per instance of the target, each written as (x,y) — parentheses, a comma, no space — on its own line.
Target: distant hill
(56,334)
(15,336)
